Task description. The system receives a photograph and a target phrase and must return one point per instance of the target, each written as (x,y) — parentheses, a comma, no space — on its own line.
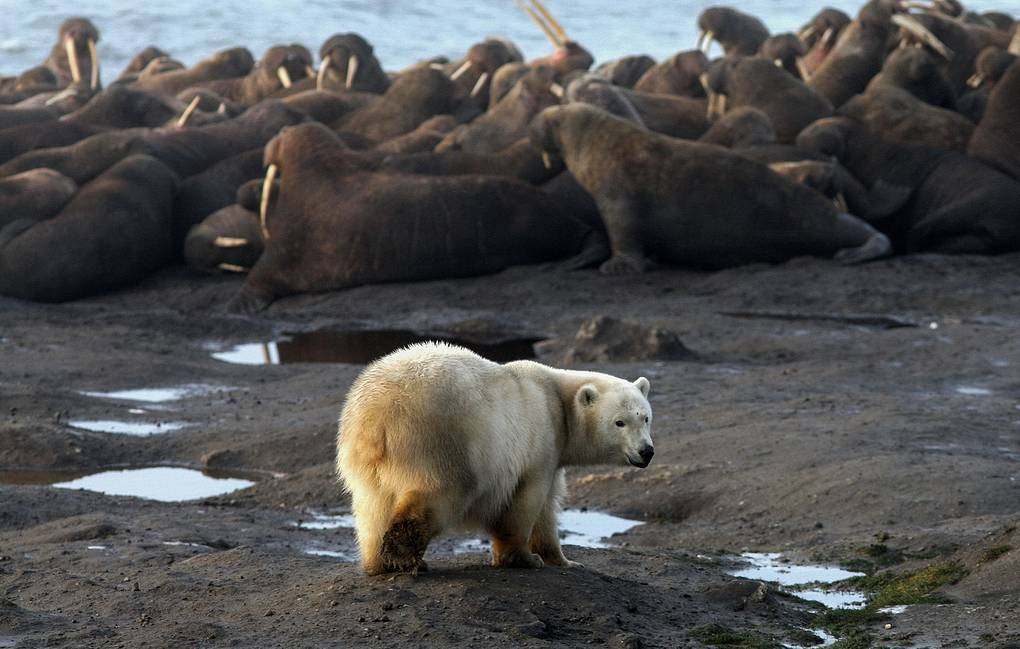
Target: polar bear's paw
(403,546)
(518,557)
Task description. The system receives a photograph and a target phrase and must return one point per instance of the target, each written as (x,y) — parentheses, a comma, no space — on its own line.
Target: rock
(738,595)
(604,339)
(536,629)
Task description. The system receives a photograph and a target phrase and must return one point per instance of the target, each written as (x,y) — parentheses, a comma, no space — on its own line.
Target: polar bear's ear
(587,395)
(643,385)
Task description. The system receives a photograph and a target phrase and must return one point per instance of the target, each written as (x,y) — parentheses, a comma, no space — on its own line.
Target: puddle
(360,348)
(165,484)
(349,557)
(141,429)
(827,640)
(971,391)
(587,529)
(893,610)
(159,395)
(326,522)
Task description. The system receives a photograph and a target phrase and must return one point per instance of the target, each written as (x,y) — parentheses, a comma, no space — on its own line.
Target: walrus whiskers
(919,31)
(284,76)
(464,67)
(72,59)
(267,188)
(186,115)
(557,43)
(95,63)
(232,268)
(322,73)
(555,24)
(480,84)
(230,242)
(352,70)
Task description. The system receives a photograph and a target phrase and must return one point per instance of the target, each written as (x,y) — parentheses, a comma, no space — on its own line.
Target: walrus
(347,62)
(951,41)
(741,127)
(738,33)
(784,50)
(626,70)
(757,82)
(899,116)
(228,241)
(74,59)
(507,120)
(833,181)
(114,231)
(213,189)
(677,75)
(335,226)
(990,66)
(279,67)
(140,61)
(694,204)
(415,96)
(505,78)
(958,204)
(996,140)
(828,20)
(918,72)
(36,195)
(597,91)
(474,73)
(226,64)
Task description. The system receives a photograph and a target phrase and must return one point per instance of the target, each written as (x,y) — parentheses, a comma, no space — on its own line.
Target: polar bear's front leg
(545,536)
(512,531)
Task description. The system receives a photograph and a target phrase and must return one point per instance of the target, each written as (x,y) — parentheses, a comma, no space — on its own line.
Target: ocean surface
(402,32)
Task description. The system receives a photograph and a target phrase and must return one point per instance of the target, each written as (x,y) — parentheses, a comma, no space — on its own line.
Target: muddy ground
(823,410)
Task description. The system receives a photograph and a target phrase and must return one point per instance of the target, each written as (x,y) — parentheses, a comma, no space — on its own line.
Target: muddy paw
(404,546)
(624,265)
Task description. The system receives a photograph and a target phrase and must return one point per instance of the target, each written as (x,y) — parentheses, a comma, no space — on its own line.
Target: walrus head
(234,62)
(341,56)
(826,136)
(78,37)
(285,64)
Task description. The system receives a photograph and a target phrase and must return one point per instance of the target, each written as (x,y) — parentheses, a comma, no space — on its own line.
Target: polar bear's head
(618,421)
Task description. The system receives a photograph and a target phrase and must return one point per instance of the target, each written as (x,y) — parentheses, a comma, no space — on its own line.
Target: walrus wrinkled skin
(677,75)
(741,127)
(897,115)
(958,205)
(519,160)
(347,62)
(334,226)
(115,231)
(694,204)
(36,195)
(213,189)
(996,140)
(228,241)
(506,121)
(747,81)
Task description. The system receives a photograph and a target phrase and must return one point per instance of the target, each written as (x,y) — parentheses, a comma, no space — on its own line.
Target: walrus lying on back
(694,204)
(335,225)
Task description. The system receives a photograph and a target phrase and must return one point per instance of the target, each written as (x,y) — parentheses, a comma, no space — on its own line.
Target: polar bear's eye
(619,422)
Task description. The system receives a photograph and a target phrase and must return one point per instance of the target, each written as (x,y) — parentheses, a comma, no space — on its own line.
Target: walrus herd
(891,132)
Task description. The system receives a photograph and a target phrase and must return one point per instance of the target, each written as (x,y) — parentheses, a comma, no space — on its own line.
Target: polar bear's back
(424,415)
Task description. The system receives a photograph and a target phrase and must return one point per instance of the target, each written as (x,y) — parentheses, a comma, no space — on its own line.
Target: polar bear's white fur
(434,437)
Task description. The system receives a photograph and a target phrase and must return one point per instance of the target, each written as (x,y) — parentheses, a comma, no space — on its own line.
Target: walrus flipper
(623,226)
(249,301)
(876,245)
(595,250)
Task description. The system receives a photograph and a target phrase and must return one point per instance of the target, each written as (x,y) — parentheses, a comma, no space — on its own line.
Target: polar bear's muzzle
(646,454)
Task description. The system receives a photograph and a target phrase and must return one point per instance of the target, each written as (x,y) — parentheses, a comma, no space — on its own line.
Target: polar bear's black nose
(646,454)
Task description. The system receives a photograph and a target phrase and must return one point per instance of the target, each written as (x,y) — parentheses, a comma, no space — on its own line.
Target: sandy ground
(823,407)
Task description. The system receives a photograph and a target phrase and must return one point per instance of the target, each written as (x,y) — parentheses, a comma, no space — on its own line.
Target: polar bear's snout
(646,454)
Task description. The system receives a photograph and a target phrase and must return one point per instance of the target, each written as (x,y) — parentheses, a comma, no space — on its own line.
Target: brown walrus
(694,204)
(334,225)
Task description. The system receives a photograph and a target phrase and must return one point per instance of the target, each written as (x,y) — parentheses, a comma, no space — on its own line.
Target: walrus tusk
(804,74)
(63,94)
(461,70)
(232,268)
(829,34)
(778,62)
(1014,45)
(557,90)
(186,115)
(229,242)
(309,71)
(705,41)
(975,80)
(72,59)
(95,64)
(322,73)
(557,43)
(840,203)
(352,69)
(284,76)
(222,110)
(267,188)
(806,33)
(919,31)
(557,27)
(547,160)
(480,84)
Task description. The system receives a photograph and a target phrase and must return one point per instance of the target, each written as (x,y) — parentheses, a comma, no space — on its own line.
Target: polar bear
(434,437)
